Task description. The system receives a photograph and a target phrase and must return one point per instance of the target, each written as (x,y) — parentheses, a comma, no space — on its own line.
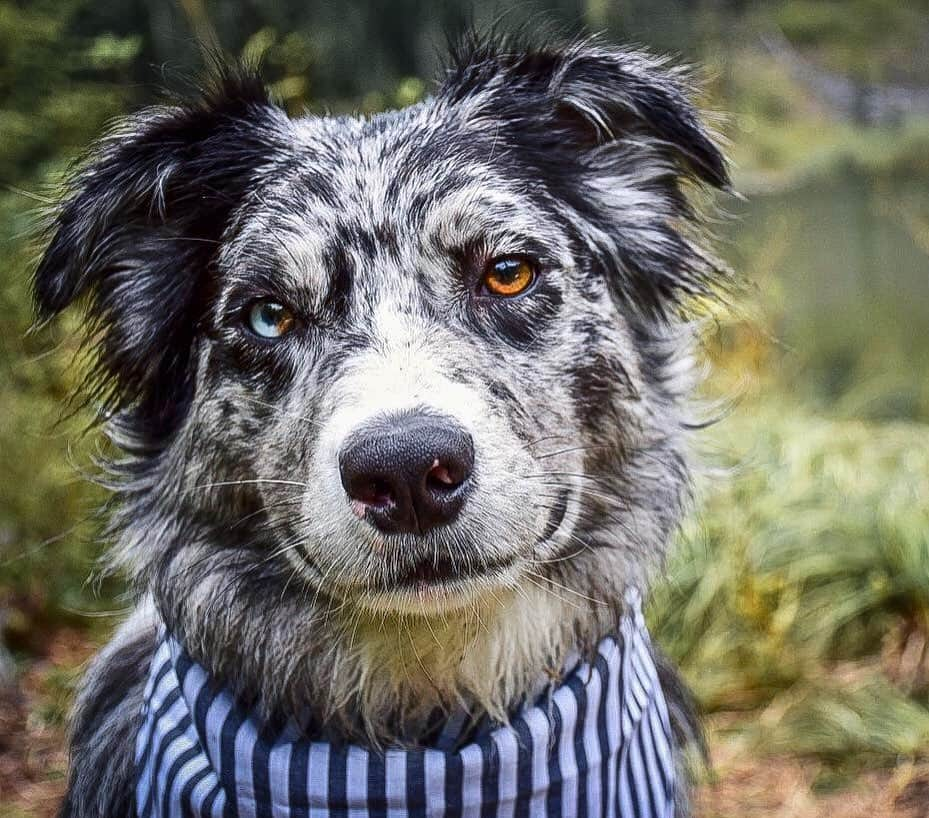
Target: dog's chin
(425,592)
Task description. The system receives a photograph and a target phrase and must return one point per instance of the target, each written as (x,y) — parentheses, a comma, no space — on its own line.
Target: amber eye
(508,275)
(269,319)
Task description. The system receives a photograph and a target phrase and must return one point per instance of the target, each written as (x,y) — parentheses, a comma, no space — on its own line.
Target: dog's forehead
(398,185)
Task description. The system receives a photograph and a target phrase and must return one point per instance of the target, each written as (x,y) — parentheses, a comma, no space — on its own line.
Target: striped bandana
(598,744)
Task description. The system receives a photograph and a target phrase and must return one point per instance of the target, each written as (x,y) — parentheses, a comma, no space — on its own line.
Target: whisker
(565,588)
(607,514)
(584,546)
(531,578)
(171,239)
(28,194)
(569,451)
(289,501)
(604,481)
(282,412)
(257,480)
(539,440)
(600,495)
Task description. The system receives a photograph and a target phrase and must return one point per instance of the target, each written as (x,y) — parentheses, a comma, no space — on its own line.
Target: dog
(402,401)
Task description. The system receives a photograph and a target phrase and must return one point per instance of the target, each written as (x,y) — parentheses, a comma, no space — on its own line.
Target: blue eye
(269,319)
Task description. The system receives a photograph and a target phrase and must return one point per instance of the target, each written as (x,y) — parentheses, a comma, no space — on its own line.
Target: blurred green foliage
(57,88)
(802,586)
(872,40)
(800,591)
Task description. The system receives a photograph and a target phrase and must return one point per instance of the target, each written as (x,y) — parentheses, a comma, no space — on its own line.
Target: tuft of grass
(810,557)
(855,717)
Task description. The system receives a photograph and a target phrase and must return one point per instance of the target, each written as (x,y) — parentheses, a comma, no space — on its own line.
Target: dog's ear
(135,237)
(586,95)
(616,134)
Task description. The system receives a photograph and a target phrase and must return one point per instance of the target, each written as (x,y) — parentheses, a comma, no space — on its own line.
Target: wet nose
(408,472)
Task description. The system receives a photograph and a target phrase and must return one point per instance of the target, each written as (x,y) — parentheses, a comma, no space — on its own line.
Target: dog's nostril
(373,492)
(441,478)
(408,472)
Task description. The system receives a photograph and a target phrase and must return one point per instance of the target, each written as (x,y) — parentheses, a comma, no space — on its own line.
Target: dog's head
(412,363)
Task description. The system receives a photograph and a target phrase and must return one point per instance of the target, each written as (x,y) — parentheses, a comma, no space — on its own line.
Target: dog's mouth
(440,580)
(445,571)
(439,586)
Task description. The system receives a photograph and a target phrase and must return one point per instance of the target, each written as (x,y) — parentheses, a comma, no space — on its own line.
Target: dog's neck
(379,678)
(486,659)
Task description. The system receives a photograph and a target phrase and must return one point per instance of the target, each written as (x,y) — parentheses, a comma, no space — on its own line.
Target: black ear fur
(585,94)
(136,235)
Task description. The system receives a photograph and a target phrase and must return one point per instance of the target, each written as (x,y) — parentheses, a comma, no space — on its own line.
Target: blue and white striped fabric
(599,744)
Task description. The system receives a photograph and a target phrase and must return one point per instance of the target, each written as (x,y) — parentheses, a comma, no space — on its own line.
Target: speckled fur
(230,518)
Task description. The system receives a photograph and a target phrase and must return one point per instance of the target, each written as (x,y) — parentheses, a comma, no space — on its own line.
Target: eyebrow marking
(342,277)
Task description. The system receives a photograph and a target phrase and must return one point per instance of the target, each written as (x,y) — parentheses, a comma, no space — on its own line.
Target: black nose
(409,472)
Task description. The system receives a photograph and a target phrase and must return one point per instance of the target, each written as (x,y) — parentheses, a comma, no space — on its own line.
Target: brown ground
(33,761)
(749,786)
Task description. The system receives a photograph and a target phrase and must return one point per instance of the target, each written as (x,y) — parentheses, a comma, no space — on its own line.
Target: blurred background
(797,603)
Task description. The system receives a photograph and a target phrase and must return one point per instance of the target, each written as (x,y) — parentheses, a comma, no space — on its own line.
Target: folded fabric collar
(596,744)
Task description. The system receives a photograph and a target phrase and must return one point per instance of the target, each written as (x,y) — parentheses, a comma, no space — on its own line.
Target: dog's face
(397,347)
(412,352)
(411,363)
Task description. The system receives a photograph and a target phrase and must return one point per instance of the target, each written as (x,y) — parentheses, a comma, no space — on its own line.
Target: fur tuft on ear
(136,234)
(613,133)
(594,93)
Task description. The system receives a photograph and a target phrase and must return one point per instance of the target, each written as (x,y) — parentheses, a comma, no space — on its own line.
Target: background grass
(800,593)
